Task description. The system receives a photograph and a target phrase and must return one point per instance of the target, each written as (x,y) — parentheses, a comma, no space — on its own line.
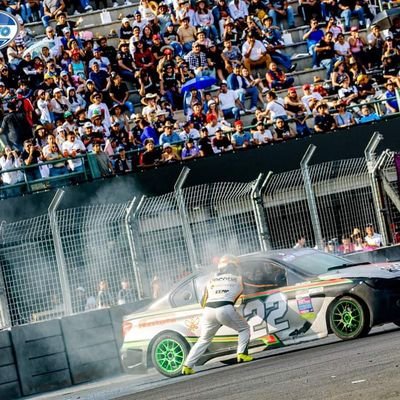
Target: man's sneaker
(88,8)
(115,4)
(76,12)
(293,67)
(187,370)
(315,67)
(244,358)
(252,110)
(128,3)
(242,112)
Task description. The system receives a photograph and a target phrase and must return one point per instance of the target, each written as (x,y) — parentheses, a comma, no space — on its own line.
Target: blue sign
(8,29)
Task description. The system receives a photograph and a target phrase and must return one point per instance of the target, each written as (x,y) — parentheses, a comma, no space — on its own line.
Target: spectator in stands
(72,148)
(229,102)
(375,46)
(323,121)
(197,61)
(349,8)
(313,36)
(50,9)
(333,27)
(280,9)
(309,9)
(241,139)
(277,79)
(126,295)
(391,101)
(221,142)
(168,154)
(282,130)
(51,152)
(339,74)
(10,160)
(367,115)
(346,247)
(122,165)
(169,135)
(326,53)
(301,242)
(151,156)
(310,99)
(364,87)
(186,33)
(238,11)
(204,143)
(204,19)
(275,106)
(31,155)
(347,94)
(343,118)
(254,53)
(15,127)
(103,161)
(261,135)
(231,55)
(190,150)
(296,109)
(243,88)
(372,239)
(104,297)
(342,48)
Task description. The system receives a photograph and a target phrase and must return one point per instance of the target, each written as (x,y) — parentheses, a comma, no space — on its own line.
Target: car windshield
(312,263)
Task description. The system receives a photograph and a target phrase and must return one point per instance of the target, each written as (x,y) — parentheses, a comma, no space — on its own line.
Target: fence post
(312,204)
(61,264)
(184,217)
(373,166)
(134,246)
(259,211)
(5,318)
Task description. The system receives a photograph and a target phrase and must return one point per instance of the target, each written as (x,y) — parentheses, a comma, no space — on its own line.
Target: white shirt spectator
(342,49)
(10,178)
(227,100)
(264,137)
(306,100)
(74,146)
(256,52)
(375,240)
(104,112)
(192,134)
(103,62)
(43,107)
(238,11)
(276,108)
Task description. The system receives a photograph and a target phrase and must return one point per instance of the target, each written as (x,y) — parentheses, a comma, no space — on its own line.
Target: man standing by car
(218,301)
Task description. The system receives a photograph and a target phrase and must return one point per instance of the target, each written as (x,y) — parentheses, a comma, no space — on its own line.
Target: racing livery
(290,296)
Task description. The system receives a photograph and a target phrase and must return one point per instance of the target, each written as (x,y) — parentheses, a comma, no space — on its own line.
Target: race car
(290,296)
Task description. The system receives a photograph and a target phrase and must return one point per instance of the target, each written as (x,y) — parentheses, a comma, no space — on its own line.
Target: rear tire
(168,354)
(348,318)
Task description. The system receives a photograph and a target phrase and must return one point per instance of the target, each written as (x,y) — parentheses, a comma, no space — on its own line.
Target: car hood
(378,270)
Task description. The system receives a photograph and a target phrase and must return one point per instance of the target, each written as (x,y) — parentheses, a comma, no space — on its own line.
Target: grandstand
(313,76)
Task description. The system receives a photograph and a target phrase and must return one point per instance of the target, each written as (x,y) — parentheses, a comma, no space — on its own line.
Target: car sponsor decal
(9,28)
(300,286)
(304,305)
(156,322)
(192,323)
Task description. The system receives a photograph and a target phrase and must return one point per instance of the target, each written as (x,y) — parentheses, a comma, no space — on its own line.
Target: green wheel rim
(169,355)
(347,317)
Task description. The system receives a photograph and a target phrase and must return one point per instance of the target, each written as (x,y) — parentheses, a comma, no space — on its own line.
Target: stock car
(290,296)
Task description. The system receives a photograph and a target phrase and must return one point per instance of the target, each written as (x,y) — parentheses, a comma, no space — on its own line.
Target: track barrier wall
(91,346)
(9,382)
(41,357)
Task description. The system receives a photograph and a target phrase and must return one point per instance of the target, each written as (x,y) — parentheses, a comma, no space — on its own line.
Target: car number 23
(266,316)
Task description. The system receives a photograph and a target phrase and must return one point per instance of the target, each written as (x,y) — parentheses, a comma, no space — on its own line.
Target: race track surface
(367,369)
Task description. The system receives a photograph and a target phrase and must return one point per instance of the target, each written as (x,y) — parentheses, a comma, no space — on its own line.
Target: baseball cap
(63,73)
(67,114)
(306,86)
(125,20)
(238,123)
(60,129)
(88,125)
(291,90)
(354,29)
(166,145)
(66,30)
(57,90)
(155,37)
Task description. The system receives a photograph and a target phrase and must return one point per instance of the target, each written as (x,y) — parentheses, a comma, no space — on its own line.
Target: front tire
(168,354)
(348,318)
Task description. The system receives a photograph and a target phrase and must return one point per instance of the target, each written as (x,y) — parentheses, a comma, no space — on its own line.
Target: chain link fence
(52,265)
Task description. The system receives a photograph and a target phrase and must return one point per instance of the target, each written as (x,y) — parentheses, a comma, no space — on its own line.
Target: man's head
(369,229)
(224,87)
(228,263)
(239,126)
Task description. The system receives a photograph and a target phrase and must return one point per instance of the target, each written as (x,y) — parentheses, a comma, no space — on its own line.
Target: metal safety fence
(63,262)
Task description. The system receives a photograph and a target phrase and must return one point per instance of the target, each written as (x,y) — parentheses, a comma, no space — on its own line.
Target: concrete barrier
(91,346)
(41,357)
(9,384)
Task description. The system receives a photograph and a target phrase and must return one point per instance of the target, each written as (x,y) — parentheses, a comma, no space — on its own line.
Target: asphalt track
(367,369)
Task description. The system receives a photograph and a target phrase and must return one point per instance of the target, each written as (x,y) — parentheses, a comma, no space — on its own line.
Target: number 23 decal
(265,316)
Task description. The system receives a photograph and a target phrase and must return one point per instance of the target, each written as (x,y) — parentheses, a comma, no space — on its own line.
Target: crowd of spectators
(75,97)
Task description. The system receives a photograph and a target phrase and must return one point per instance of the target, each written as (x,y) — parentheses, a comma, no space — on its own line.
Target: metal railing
(52,265)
